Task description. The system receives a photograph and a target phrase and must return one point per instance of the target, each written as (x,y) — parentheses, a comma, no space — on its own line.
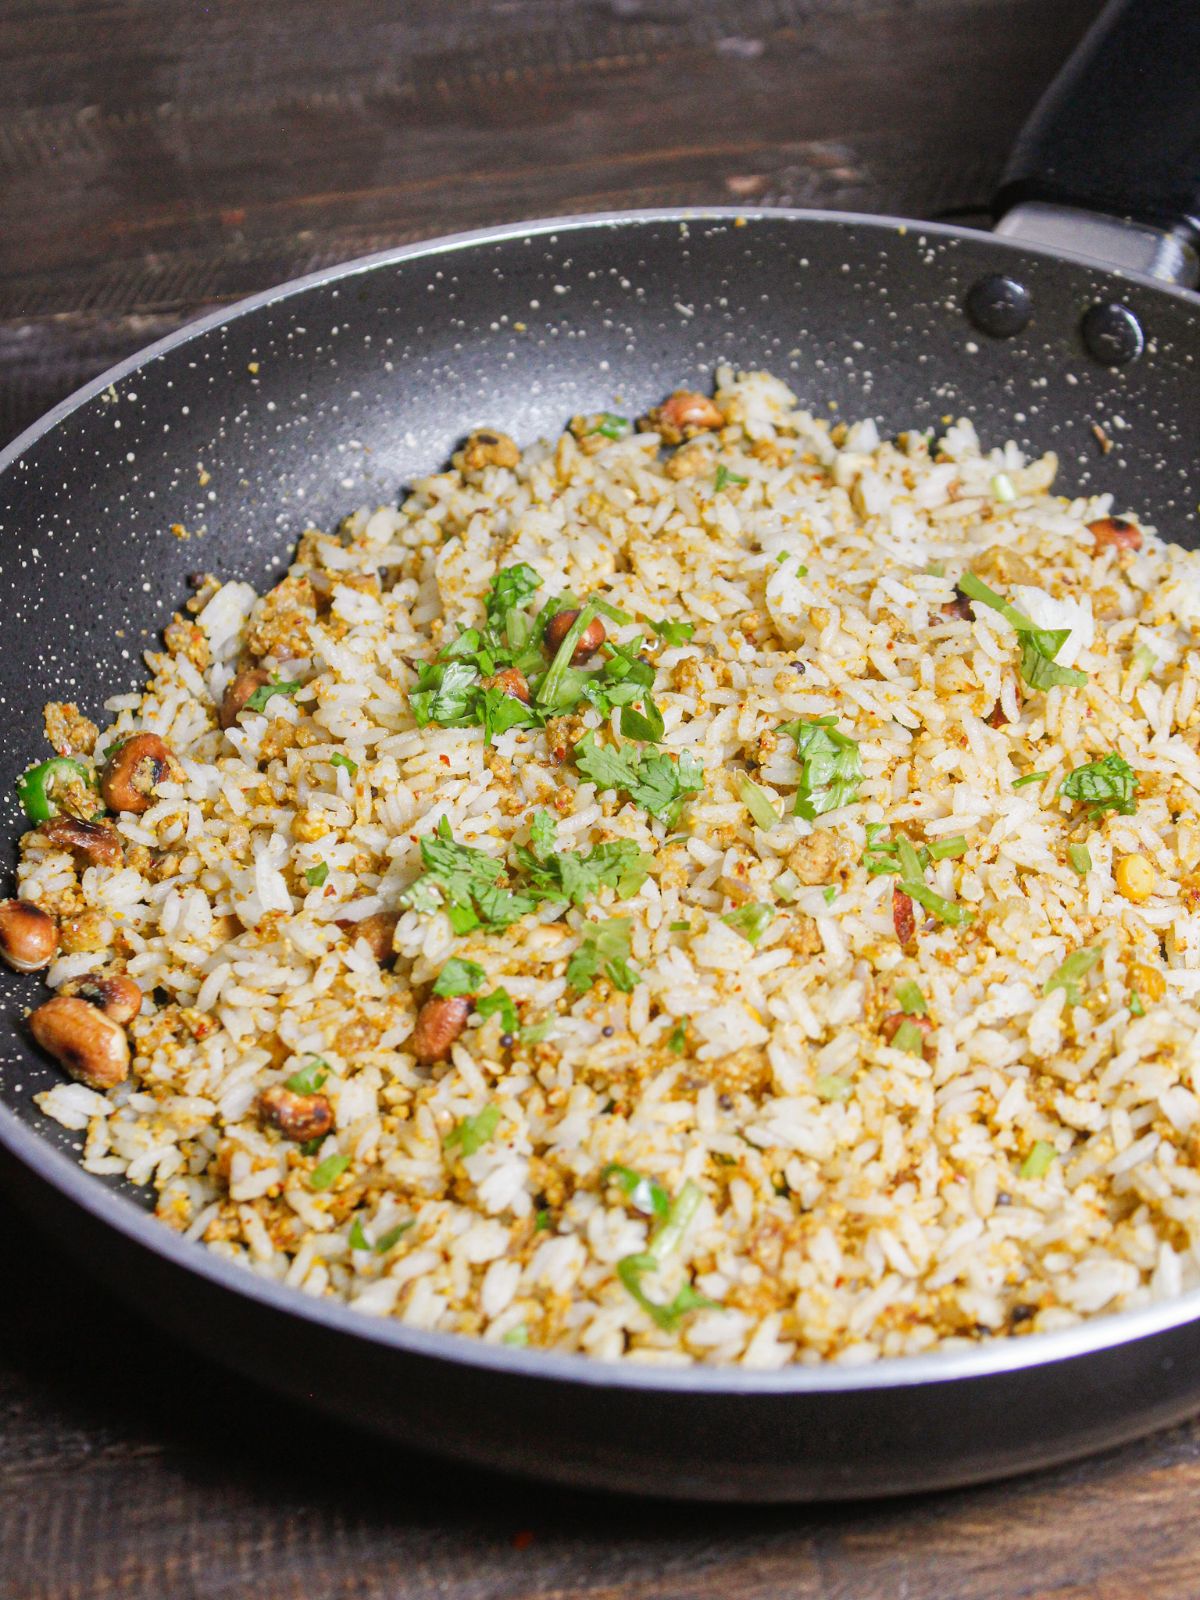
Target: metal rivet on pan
(1112,334)
(999,306)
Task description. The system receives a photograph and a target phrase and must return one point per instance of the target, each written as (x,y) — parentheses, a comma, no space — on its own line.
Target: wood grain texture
(157,158)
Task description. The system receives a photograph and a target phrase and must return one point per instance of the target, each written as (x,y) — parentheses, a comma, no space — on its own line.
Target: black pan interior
(305,405)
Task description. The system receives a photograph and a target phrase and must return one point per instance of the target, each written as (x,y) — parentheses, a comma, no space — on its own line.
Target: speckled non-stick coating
(301,405)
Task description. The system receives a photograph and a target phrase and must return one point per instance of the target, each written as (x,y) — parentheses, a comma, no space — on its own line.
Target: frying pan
(306,401)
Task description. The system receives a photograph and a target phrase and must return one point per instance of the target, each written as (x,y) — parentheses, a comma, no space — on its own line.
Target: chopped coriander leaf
(1109,784)
(831,767)
(358,1239)
(610,425)
(751,921)
(677,1043)
(1039,1160)
(499,711)
(1080,858)
(725,477)
(339,760)
(472,1133)
(315,876)
(518,1336)
(673,633)
(644,1194)
(463,881)
(1038,666)
(543,834)
(615,864)
(664,1243)
(948,849)
(393,1236)
(551,685)
(499,1002)
(1136,1008)
(328,1171)
(535,1032)
(679,927)
(908,1037)
(445,694)
(460,977)
(654,782)
(758,803)
(1076,967)
(258,700)
(646,725)
(309,1078)
(511,587)
(542,1221)
(950,912)
(604,950)
(910,999)
(1030,777)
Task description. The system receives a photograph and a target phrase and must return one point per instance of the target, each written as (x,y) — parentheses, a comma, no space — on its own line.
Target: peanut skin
(297,1116)
(439,1023)
(86,1044)
(28,936)
(590,640)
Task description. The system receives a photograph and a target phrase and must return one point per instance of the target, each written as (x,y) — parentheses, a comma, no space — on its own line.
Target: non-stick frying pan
(304,402)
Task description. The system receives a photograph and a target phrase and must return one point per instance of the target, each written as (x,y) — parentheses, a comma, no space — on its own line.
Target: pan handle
(1108,166)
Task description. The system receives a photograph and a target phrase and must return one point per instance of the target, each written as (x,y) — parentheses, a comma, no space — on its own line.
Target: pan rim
(994,1359)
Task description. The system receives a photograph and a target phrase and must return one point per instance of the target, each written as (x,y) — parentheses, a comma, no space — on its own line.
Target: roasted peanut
(128,780)
(487,448)
(439,1023)
(297,1116)
(1115,533)
(590,640)
(377,930)
(237,691)
(683,415)
(903,920)
(28,937)
(86,1044)
(894,1021)
(94,842)
(116,995)
(512,681)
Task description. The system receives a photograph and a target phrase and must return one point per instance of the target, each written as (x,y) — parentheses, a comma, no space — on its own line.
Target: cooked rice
(859,1200)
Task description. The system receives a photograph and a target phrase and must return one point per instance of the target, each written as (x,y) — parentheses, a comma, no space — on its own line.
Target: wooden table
(157,158)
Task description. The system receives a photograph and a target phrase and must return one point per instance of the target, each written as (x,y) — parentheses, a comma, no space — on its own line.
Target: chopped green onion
(459,977)
(541,1221)
(786,886)
(309,1078)
(611,611)
(328,1171)
(385,1242)
(910,999)
(258,700)
(1002,487)
(1136,1007)
(518,1336)
(1146,659)
(908,1037)
(751,921)
(948,849)
(677,1043)
(757,803)
(950,912)
(311,1146)
(472,1133)
(910,861)
(1039,1160)
(1080,858)
(679,927)
(831,1087)
(610,425)
(358,1239)
(552,683)
(644,1194)
(1039,646)
(829,895)
(315,876)
(724,476)
(1030,777)
(36,788)
(1077,965)
(665,1242)
(339,760)
(535,1032)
